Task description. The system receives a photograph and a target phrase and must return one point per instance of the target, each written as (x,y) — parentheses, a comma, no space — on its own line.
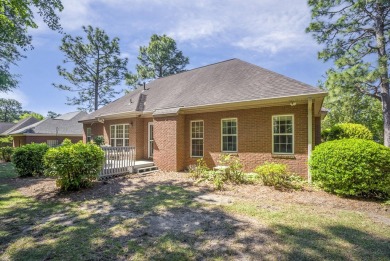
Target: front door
(150,140)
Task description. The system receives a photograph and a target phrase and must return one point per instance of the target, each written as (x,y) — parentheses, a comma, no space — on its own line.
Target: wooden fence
(117,161)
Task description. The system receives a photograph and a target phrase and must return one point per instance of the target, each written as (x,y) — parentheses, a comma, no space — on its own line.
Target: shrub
(66,142)
(233,172)
(99,140)
(325,134)
(6,141)
(6,153)
(348,131)
(28,159)
(199,169)
(74,165)
(277,175)
(352,167)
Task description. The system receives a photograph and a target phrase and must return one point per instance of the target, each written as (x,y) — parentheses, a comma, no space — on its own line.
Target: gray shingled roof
(66,124)
(20,124)
(5,126)
(225,82)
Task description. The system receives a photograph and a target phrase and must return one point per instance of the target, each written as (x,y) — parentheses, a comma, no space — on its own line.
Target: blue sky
(268,33)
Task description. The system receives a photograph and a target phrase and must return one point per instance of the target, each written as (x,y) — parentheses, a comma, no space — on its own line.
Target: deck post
(309,134)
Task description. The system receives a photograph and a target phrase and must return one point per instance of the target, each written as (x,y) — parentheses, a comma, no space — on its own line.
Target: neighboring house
(19,125)
(5,126)
(51,130)
(229,107)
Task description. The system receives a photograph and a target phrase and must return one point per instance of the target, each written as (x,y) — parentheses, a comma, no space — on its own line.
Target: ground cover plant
(278,176)
(230,171)
(163,216)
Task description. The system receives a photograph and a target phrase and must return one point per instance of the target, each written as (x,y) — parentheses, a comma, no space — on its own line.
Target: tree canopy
(159,59)
(52,114)
(10,110)
(27,114)
(355,35)
(16,18)
(353,107)
(97,68)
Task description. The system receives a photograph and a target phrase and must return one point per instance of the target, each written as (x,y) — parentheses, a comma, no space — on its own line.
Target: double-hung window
(229,135)
(283,134)
(89,134)
(119,135)
(197,134)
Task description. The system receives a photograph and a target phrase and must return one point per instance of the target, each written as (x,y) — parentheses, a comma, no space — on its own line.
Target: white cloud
(267,26)
(196,29)
(16,95)
(77,13)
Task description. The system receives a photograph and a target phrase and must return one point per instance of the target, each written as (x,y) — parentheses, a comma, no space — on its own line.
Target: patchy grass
(163,220)
(316,233)
(7,170)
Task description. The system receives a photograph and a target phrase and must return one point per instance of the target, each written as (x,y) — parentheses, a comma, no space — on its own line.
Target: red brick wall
(22,140)
(96,130)
(172,137)
(254,137)
(165,143)
(19,141)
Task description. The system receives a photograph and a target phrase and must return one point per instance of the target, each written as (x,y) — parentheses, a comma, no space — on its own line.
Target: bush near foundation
(74,165)
(278,176)
(28,159)
(352,167)
(6,153)
(347,131)
(231,173)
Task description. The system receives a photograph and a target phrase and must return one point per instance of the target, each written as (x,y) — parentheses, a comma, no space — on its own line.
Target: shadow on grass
(7,170)
(334,243)
(162,221)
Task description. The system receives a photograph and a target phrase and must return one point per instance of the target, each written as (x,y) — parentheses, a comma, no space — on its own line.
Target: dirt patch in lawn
(45,189)
(166,216)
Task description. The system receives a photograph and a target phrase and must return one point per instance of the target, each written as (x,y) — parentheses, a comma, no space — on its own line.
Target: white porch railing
(117,161)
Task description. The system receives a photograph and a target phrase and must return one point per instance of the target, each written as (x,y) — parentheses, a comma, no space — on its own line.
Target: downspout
(309,134)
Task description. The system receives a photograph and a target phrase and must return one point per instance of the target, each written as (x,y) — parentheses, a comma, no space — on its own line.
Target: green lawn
(162,221)
(7,170)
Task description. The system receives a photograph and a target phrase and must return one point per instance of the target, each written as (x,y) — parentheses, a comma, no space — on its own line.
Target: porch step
(148,169)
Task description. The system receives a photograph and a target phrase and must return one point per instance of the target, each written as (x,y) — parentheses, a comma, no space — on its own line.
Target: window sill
(283,156)
(233,153)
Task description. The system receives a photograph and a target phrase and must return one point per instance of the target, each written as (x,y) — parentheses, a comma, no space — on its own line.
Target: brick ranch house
(50,131)
(228,107)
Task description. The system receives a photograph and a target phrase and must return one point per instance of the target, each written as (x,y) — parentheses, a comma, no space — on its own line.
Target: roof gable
(66,125)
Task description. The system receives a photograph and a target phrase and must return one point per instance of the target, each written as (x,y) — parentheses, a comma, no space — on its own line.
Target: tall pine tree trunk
(384,71)
(96,95)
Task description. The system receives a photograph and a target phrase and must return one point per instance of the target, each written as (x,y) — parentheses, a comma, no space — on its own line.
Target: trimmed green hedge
(74,165)
(28,159)
(352,167)
(347,131)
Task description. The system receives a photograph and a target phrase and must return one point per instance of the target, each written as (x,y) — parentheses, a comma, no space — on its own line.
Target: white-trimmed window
(119,135)
(229,132)
(197,134)
(283,134)
(89,134)
(52,143)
